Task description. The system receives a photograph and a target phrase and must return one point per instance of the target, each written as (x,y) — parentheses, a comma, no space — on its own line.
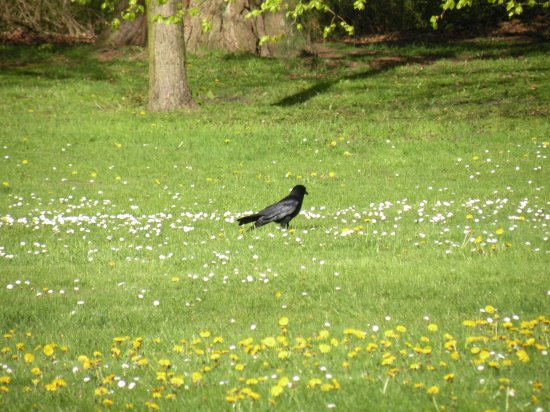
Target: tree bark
(168,87)
(231,31)
(132,32)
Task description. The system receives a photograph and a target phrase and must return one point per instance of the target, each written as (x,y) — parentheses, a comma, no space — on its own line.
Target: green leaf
(359,4)
(264,39)
(115,24)
(327,30)
(434,20)
(350,30)
(206,26)
(193,11)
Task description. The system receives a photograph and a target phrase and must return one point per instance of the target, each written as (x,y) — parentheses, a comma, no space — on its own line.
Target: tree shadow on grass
(379,62)
(55,62)
(377,66)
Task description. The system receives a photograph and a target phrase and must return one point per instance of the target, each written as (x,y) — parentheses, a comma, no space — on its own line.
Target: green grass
(427,168)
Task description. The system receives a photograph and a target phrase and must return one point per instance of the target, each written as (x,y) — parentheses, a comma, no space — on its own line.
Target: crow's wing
(279,210)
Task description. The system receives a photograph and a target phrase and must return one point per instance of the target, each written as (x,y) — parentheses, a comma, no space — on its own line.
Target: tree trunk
(168,87)
(233,32)
(130,32)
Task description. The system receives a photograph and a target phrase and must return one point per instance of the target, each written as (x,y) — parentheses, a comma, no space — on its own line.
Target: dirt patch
(538,28)
(29,38)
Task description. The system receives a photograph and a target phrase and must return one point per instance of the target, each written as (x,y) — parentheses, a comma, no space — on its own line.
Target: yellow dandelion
(177,381)
(537,385)
(325,387)
(196,377)
(152,405)
(28,357)
(371,347)
(276,390)
(449,377)
(165,363)
(432,327)
(253,395)
(324,334)
(205,334)
(314,382)
(489,309)
(270,342)
(59,382)
(284,354)
(283,321)
(388,359)
(484,355)
(324,348)
(5,380)
(107,402)
(522,356)
(48,350)
(432,390)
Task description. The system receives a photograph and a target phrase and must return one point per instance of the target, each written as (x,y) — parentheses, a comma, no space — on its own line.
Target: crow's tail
(247,219)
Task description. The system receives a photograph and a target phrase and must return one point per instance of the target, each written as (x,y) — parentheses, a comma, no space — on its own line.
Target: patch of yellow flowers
(274,367)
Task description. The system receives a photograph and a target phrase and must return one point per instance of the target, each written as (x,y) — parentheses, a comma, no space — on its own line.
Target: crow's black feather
(281,212)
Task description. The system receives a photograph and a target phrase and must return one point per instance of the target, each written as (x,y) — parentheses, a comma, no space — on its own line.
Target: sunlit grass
(416,277)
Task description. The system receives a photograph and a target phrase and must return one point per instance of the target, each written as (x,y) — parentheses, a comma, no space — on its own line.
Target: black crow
(281,212)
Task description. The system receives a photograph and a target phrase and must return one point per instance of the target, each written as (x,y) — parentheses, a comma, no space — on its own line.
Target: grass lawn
(417,276)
